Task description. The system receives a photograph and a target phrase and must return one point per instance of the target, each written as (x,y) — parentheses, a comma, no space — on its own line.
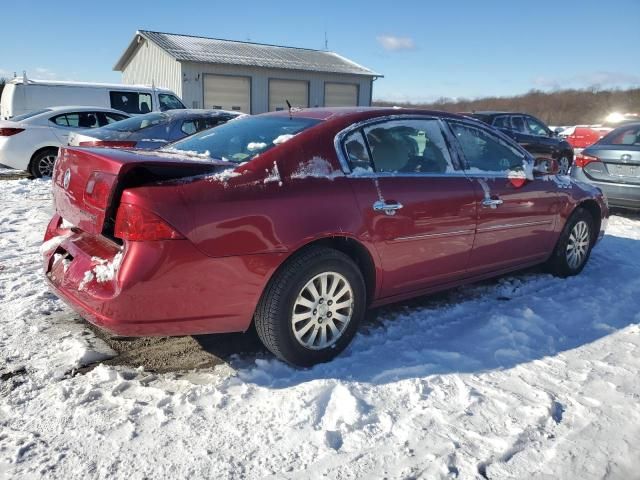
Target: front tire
(574,245)
(311,308)
(42,163)
(564,164)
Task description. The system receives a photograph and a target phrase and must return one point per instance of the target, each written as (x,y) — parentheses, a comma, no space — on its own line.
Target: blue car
(152,130)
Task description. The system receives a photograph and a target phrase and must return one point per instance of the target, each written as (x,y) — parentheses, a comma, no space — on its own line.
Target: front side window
(77,120)
(534,127)
(241,140)
(408,146)
(485,152)
(169,102)
(135,103)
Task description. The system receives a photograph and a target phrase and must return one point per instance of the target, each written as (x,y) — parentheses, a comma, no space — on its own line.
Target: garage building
(244,76)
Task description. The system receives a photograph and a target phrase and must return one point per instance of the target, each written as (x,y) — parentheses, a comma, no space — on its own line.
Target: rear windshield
(134,124)
(241,140)
(629,135)
(24,116)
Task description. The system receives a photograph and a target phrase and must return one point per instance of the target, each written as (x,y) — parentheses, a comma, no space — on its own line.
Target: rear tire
(564,164)
(311,308)
(42,163)
(574,245)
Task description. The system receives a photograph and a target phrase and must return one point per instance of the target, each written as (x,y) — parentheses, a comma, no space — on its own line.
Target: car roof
(327,113)
(81,108)
(188,112)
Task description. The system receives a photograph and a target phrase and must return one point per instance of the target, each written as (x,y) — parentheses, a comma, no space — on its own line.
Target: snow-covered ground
(526,377)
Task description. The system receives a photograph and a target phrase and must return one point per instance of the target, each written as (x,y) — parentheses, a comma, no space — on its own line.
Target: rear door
(515,215)
(420,211)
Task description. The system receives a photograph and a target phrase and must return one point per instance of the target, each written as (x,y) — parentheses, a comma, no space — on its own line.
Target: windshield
(134,124)
(241,140)
(24,116)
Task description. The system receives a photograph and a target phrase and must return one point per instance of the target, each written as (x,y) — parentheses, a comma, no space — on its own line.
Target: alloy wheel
(578,244)
(322,310)
(46,163)
(563,166)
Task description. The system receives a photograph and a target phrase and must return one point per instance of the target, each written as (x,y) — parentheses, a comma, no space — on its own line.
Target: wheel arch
(40,150)
(593,208)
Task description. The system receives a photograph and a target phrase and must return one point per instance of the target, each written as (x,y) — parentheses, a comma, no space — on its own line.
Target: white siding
(151,65)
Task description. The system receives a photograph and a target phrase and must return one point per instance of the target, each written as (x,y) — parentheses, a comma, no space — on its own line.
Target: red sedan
(299,221)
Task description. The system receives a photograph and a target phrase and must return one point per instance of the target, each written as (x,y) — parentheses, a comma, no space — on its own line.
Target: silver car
(613,164)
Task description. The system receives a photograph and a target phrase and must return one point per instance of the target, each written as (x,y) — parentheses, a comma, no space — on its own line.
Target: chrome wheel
(578,244)
(563,166)
(45,164)
(322,310)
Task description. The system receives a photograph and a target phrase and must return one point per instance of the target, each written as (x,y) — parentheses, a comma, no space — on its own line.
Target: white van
(22,95)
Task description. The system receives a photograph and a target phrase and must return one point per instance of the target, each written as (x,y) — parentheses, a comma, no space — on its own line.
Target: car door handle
(388,208)
(491,202)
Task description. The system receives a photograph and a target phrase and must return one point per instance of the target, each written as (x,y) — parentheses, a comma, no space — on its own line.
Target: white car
(31,141)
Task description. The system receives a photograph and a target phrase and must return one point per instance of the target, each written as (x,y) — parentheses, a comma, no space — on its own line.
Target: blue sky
(424,49)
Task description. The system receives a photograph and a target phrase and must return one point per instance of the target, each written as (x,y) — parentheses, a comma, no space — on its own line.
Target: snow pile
(317,167)
(527,377)
(105,270)
(283,138)
(273,175)
(253,146)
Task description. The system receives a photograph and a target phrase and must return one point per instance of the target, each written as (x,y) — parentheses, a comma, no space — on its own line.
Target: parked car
(613,164)
(312,216)
(532,134)
(583,136)
(31,141)
(152,130)
(23,95)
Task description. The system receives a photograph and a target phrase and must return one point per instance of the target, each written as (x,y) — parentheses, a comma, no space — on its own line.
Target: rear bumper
(10,156)
(618,194)
(157,288)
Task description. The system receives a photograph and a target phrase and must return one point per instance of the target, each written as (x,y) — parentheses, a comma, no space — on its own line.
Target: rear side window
(518,124)
(622,136)
(194,125)
(77,120)
(134,124)
(169,102)
(357,151)
(485,152)
(131,102)
(107,118)
(408,146)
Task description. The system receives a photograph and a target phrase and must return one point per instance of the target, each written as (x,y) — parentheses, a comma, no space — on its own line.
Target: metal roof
(229,52)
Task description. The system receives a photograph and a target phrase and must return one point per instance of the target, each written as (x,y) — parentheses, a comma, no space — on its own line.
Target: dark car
(613,164)
(532,134)
(299,221)
(152,130)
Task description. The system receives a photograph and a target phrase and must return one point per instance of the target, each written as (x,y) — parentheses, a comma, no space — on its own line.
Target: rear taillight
(583,160)
(97,192)
(107,144)
(7,132)
(136,224)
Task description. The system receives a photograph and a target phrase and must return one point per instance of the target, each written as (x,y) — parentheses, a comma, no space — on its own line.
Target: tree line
(560,107)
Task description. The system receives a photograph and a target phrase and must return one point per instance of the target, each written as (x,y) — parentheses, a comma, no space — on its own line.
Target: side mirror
(546,166)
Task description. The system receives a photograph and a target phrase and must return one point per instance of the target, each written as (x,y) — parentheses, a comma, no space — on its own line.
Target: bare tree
(560,107)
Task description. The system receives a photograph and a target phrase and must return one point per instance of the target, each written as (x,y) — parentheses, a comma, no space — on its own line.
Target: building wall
(152,65)
(192,86)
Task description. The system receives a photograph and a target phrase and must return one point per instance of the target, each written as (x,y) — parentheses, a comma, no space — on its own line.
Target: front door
(419,209)
(516,212)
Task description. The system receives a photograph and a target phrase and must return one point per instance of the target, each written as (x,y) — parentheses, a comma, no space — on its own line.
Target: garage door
(227,92)
(340,95)
(296,91)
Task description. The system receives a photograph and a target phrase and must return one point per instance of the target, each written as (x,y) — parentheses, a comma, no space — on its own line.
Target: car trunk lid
(617,164)
(87,183)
